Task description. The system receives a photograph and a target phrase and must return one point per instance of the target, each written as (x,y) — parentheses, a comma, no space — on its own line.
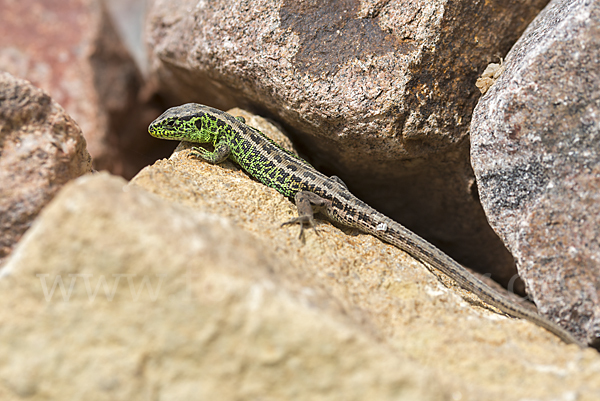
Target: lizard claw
(302,220)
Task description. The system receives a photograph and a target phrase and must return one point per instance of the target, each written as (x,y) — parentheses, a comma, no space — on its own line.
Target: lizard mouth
(153,130)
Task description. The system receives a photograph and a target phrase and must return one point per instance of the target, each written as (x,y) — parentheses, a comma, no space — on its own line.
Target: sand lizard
(313,191)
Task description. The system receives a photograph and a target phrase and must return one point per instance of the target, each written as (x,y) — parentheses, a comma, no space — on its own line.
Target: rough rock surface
(377,92)
(536,154)
(71,50)
(41,148)
(162,302)
(159,301)
(387,292)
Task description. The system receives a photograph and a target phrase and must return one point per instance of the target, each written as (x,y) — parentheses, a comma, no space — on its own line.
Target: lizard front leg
(307,204)
(220,154)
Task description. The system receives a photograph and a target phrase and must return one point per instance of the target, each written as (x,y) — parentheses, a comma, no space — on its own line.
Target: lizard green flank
(312,191)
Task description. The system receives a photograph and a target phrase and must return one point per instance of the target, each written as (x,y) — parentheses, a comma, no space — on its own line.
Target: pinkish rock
(536,154)
(378,92)
(71,50)
(41,148)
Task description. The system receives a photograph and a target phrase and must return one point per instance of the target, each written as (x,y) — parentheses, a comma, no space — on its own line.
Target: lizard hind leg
(307,204)
(338,180)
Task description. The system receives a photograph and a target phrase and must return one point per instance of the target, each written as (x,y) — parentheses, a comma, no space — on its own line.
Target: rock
(129,17)
(489,76)
(72,51)
(214,300)
(536,154)
(41,148)
(163,302)
(385,291)
(379,93)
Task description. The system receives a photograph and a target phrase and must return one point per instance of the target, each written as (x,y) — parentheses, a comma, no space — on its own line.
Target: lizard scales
(292,176)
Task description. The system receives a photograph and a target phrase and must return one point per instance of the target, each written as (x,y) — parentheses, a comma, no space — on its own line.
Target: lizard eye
(170,124)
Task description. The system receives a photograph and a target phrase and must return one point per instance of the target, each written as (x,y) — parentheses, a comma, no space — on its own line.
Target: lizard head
(189,122)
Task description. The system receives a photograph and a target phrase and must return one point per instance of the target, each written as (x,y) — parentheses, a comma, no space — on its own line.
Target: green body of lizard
(295,178)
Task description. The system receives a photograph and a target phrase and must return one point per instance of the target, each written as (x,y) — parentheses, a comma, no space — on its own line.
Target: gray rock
(536,154)
(41,148)
(129,17)
(379,93)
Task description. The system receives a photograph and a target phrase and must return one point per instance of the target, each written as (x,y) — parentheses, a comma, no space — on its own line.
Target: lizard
(313,192)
